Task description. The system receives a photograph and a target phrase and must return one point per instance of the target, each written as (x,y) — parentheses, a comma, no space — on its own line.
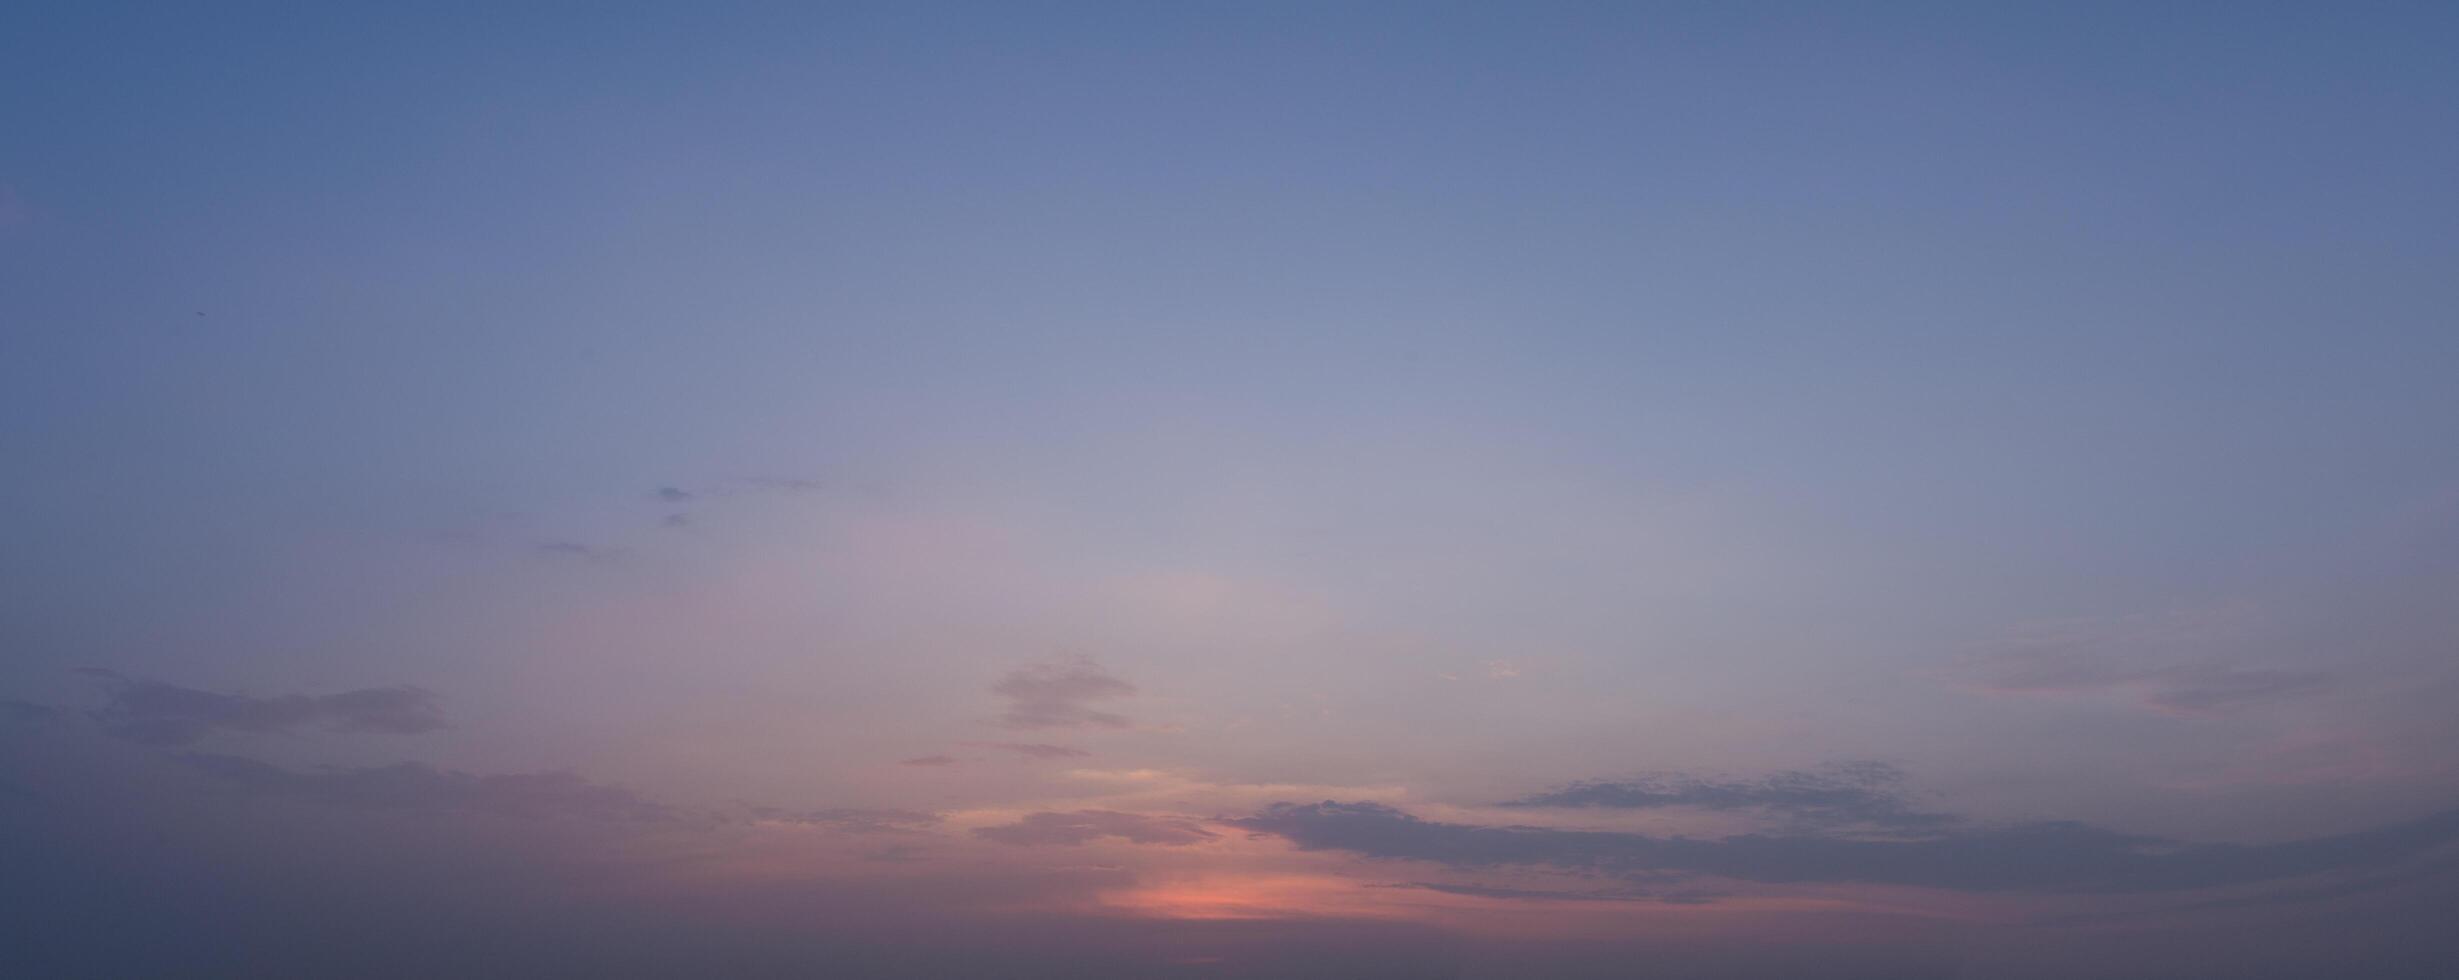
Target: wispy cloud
(579,551)
(157,713)
(2186,689)
(2185,662)
(849,820)
(1035,750)
(1475,890)
(928,761)
(1837,795)
(1087,826)
(2042,857)
(533,795)
(1059,695)
(167,716)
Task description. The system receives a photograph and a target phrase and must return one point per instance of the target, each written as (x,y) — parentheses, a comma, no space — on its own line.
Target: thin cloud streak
(158,713)
(850,820)
(1087,826)
(1839,795)
(2043,857)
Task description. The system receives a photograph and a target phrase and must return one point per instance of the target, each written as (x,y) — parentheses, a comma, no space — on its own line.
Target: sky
(1229,490)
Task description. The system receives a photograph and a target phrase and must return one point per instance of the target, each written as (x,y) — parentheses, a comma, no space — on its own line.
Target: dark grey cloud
(1086,826)
(1058,695)
(1846,794)
(157,713)
(674,495)
(2041,857)
(416,786)
(1036,750)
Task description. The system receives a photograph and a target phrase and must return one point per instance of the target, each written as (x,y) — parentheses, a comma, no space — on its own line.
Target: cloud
(1037,750)
(559,795)
(2204,688)
(1086,826)
(578,551)
(397,710)
(213,868)
(850,820)
(1055,696)
(2041,857)
(1550,895)
(217,881)
(416,786)
(154,714)
(1836,795)
(928,761)
(167,714)
(2178,662)
(2187,689)
(708,493)
(718,489)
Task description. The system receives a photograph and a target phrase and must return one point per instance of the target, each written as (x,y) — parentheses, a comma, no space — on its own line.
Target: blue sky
(2014,414)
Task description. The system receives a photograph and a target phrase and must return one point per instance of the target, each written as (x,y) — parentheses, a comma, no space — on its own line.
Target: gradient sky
(1159,490)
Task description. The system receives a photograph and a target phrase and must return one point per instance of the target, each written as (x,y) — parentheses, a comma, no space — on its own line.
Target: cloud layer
(1841,795)
(2187,689)
(157,713)
(2041,857)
